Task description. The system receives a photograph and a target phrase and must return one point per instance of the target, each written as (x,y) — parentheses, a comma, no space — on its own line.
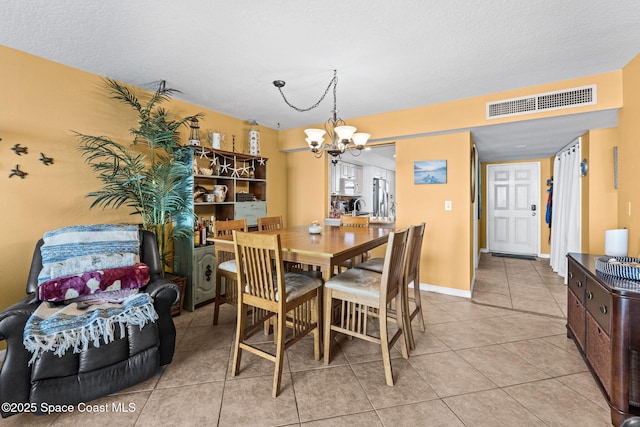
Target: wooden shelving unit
(245,178)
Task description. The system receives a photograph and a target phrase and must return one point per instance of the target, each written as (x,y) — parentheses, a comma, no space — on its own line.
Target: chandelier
(341,137)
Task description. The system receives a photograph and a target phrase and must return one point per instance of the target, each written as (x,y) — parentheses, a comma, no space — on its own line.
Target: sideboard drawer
(576,278)
(599,352)
(575,318)
(598,303)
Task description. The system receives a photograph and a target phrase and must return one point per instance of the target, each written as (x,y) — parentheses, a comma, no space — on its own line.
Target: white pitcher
(220,192)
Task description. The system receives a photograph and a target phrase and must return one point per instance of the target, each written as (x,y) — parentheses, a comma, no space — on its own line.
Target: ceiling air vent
(568,98)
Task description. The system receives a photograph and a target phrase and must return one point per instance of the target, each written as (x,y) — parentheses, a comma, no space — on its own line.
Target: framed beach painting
(430,172)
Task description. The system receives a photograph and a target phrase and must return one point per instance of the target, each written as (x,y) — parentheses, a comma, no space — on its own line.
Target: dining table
(327,249)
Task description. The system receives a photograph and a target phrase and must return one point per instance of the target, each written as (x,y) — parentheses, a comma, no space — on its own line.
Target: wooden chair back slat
(270,223)
(354,221)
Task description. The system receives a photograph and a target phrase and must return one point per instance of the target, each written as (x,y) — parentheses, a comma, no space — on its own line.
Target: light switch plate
(447,205)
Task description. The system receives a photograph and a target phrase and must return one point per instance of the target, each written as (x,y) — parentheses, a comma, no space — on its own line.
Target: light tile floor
(521,285)
(475,365)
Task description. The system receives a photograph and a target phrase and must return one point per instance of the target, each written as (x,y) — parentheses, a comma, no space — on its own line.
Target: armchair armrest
(15,373)
(164,290)
(165,293)
(13,318)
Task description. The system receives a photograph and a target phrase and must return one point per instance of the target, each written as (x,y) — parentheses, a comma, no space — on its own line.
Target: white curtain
(565,219)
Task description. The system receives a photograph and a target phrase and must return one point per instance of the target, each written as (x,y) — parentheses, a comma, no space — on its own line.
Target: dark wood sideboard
(603,318)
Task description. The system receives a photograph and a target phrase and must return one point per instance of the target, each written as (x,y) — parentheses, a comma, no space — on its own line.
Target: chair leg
(217,302)
(317,317)
(406,318)
(416,293)
(327,304)
(402,326)
(277,376)
(384,345)
(240,328)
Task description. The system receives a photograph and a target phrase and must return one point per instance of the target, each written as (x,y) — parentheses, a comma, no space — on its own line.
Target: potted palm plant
(153,178)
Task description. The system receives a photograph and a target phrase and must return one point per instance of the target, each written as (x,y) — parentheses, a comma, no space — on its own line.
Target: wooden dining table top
(332,246)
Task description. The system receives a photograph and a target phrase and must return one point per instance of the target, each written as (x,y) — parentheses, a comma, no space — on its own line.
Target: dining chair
(358,293)
(353,221)
(227,267)
(275,223)
(270,223)
(412,275)
(263,286)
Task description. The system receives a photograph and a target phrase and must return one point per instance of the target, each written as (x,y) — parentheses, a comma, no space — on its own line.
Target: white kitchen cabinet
(335,174)
(348,170)
(347,175)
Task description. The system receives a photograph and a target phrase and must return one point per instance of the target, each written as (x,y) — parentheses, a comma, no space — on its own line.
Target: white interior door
(512,208)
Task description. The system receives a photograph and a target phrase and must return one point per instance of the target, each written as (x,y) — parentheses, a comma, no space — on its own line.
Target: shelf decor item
(216,139)
(154,182)
(194,135)
(254,139)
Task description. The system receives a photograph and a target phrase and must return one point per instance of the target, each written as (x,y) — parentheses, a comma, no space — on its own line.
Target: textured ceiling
(390,55)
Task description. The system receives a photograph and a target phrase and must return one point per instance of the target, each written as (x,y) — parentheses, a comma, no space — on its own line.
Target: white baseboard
(484,250)
(444,290)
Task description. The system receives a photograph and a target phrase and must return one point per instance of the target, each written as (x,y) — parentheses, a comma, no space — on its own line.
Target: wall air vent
(576,97)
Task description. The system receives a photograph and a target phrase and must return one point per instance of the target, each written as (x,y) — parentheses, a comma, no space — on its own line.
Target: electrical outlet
(447,205)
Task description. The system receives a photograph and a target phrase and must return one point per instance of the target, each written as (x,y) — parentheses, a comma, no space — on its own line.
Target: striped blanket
(58,328)
(95,271)
(85,259)
(81,248)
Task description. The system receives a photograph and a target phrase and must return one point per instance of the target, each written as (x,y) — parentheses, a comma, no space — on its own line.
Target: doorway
(513,195)
(360,171)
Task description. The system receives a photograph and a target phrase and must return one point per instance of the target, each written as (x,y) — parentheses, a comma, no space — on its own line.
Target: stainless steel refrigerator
(380,197)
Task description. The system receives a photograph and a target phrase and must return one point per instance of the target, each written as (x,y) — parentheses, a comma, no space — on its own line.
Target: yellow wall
(42,103)
(307,187)
(629,155)
(599,198)
(448,233)
(546,166)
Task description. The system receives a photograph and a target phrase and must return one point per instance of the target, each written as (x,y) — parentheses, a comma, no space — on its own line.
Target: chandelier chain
(334,82)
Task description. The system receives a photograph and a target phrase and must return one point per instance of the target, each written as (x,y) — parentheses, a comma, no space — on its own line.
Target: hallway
(528,286)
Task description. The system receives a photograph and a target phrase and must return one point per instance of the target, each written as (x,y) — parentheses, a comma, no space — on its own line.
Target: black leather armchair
(98,371)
